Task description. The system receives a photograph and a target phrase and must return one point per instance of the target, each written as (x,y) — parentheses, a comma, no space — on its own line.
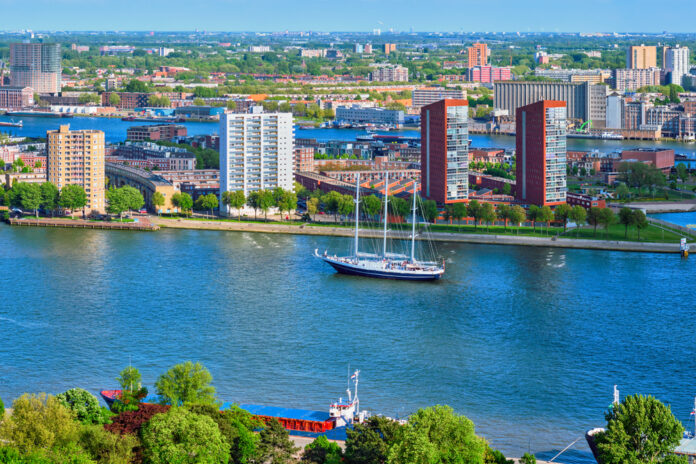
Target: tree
(594,216)
(562,213)
(474,210)
(123,199)
(234,199)
(312,206)
(129,378)
(39,422)
(682,172)
(135,85)
(322,451)
(517,215)
(274,445)
(198,102)
(641,221)
(84,405)
(528,459)
(253,202)
(49,196)
(545,215)
(622,191)
(207,202)
(436,435)
(106,447)
(460,211)
(114,99)
(231,105)
(429,210)
(331,202)
(158,201)
(184,437)
(578,215)
(371,205)
(488,214)
(287,202)
(72,197)
(2,410)
(606,218)
(399,207)
(507,189)
(266,202)
(30,196)
(639,430)
(503,212)
(236,426)
(370,442)
(533,214)
(626,218)
(346,205)
(492,456)
(186,383)
(185,202)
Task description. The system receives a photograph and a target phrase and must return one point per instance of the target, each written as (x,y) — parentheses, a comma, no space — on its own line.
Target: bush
(129,400)
(130,422)
(2,410)
(39,422)
(183,437)
(236,426)
(528,459)
(492,456)
(84,406)
(322,451)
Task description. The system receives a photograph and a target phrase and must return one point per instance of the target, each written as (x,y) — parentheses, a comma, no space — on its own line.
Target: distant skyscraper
(77,157)
(36,65)
(358,48)
(676,63)
(478,55)
(256,151)
(541,153)
(445,151)
(641,57)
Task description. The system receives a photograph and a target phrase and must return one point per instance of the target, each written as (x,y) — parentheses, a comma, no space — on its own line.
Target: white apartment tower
(676,62)
(256,151)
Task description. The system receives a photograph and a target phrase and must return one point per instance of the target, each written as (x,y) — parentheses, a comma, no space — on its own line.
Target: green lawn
(617,232)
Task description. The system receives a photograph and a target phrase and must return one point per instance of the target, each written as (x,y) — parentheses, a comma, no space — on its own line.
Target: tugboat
(387,265)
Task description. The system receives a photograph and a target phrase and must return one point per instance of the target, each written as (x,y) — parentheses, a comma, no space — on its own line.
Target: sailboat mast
(413,231)
(357,212)
(386,199)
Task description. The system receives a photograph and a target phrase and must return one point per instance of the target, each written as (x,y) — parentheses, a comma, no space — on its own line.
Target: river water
(527,342)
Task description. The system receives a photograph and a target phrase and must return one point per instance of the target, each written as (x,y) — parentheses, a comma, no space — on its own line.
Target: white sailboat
(385,265)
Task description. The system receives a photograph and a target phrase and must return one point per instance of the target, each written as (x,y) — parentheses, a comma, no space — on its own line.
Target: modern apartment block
(445,151)
(77,157)
(478,55)
(423,97)
(633,79)
(489,74)
(256,151)
(541,153)
(676,63)
(389,47)
(36,65)
(389,74)
(356,114)
(641,57)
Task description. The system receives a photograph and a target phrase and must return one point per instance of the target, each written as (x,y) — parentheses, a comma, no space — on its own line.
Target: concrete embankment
(435,236)
(659,207)
(142,225)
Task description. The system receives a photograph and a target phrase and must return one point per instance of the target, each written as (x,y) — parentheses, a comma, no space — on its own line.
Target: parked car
(143,211)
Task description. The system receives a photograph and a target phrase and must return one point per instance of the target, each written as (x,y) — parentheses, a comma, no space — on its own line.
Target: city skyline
(360,16)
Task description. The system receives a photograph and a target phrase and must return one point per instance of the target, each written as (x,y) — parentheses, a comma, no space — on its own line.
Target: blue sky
(351,15)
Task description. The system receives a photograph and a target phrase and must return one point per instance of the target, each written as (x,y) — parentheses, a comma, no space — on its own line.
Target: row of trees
(264,200)
(32,197)
(187,426)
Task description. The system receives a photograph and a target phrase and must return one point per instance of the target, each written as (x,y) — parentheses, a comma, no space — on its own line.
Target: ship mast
(386,200)
(413,230)
(357,212)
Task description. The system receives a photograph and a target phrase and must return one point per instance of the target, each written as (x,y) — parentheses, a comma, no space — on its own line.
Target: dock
(143,224)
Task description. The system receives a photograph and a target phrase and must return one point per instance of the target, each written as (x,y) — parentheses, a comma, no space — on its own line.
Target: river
(115,131)
(526,341)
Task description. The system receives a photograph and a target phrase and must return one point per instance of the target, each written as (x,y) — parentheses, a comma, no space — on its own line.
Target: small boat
(387,265)
(11,124)
(611,136)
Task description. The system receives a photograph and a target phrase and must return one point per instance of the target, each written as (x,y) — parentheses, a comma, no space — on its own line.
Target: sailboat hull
(351,269)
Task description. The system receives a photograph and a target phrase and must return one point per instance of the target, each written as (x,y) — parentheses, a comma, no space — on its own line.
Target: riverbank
(660,206)
(553,242)
(143,224)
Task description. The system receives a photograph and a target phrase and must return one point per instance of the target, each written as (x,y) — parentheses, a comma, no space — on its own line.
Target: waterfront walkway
(435,236)
(143,224)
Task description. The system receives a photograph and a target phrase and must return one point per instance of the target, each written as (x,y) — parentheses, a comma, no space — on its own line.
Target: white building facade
(676,63)
(256,152)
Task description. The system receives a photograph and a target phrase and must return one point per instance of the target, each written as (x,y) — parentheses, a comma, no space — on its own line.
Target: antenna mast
(357,212)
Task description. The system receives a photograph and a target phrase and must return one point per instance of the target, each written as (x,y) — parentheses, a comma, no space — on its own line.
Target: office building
(445,151)
(360,115)
(541,153)
(389,74)
(423,97)
(77,158)
(368,49)
(634,79)
(256,151)
(593,76)
(16,97)
(614,111)
(259,49)
(156,132)
(488,74)
(358,48)
(584,101)
(676,63)
(36,65)
(478,55)
(389,47)
(641,57)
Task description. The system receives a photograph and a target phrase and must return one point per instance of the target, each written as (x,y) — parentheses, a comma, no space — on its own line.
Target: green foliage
(183,437)
(123,199)
(640,175)
(322,451)
(234,199)
(72,197)
(186,383)
(275,446)
(428,210)
(159,101)
(562,214)
(528,459)
(49,196)
(114,99)
(2,410)
(84,406)
(437,434)
(129,378)
(182,201)
(492,456)
(105,447)
(158,200)
(639,430)
(135,85)
(206,202)
(369,443)
(39,423)
(475,210)
(399,207)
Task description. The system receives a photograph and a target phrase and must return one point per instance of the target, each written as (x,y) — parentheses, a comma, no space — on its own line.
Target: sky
(351,15)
